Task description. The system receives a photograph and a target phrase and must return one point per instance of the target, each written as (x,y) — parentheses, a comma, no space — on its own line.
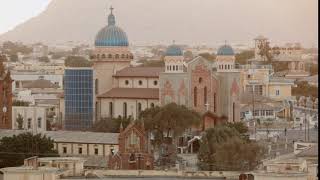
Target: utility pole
(305,126)
(255,126)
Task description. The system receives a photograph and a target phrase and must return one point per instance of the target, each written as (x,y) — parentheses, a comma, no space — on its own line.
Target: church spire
(111,17)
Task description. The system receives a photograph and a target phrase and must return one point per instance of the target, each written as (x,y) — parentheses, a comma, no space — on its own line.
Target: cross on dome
(111,9)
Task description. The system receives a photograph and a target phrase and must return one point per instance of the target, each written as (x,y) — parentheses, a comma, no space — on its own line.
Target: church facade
(5,98)
(134,149)
(123,90)
(200,84)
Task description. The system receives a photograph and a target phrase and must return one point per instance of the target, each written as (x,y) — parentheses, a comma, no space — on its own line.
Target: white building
(33,118)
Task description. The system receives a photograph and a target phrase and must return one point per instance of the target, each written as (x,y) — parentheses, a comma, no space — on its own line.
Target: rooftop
(40,83)
(132,93)
(140,72)
(71,136)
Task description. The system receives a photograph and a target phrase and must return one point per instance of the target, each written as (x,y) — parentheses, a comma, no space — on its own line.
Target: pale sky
(14,12)
(189,21)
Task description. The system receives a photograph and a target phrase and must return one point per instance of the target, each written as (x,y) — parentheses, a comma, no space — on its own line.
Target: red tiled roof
(139,72)
(132,93)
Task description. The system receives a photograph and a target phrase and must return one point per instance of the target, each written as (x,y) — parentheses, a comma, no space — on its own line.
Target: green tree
(44,59)
(188,55)
(169,121)
(19,121)
(111,125)
(221,148)
(77,61)
(239,126)
(243,56)
(304,89)
(152,63)
(19,147)
(208,56)
(20,103)
(14,58)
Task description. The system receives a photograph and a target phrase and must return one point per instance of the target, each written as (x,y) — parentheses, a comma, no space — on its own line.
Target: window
(125,110)
(140,82)
(228,66)
(139,108)
(262,113)
(155,83)
(152,105)
(122,56)
(80,150)
(205,95)
(109,56)
(233,111)
(96,86)
(98,56)
(127,82)
(96,151)
(195,97)
(200,79)
(249,76)
(64,150)
(214,102)
(177,67)
(173,68)
(103,56)
(39,122)
(269,112)
(277,92)
(110,109)
(29,123)
(17,84)
(256,113)
(117,56)
(133,140)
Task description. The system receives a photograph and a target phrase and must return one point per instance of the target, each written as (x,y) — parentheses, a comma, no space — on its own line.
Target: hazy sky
(239,20)
(14,12)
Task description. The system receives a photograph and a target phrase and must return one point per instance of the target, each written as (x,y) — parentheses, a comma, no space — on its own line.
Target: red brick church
(5,98)
(134,149)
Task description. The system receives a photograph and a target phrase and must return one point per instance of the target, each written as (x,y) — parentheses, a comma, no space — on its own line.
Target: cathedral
(124,90)
(5,98)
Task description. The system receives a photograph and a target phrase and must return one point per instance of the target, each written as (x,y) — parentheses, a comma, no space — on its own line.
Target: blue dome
(111,35)
(174,50)
(225,50)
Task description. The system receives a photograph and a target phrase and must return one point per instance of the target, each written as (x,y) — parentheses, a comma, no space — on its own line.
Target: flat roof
(71,136)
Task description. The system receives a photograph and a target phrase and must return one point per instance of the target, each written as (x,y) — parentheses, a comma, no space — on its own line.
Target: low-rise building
(31,118)
(77,143)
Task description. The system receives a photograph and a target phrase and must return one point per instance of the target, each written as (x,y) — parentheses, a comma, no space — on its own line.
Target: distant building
(78,98)
(134,149)
(33,118)
(77,143)
(5,98)
(39,50)
(200,84)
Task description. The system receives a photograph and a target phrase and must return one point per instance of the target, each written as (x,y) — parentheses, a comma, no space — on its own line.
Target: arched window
(125,110)
(228,66)
(127,56)
(96,85)
(152,105)
(103,56)
(195,94)
(173,68)
(39,122)
(139,108)
(214,102)
(200,79)
(122,56)
(225,66)
(155,83)
(126,82)
(140,82)
(109,55)
(233,112)
(177,67)
(111,109)
(205,95)
(117,56)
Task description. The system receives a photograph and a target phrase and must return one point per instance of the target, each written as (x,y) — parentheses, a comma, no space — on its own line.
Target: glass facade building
(79,98)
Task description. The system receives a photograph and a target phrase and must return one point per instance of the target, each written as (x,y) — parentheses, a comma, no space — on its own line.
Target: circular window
(126,82)
(155,83)
(140,82)
(200,80)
